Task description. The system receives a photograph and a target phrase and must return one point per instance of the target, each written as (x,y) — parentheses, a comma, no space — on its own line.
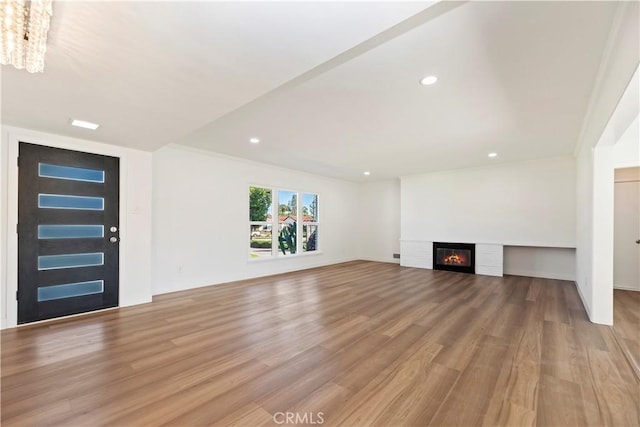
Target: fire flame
(455,259)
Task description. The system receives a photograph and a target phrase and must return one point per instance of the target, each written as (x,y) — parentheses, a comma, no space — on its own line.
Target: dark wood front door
(68,232)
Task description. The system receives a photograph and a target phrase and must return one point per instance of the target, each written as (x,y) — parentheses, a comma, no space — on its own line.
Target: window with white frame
(260,222)
(296,215)
(309,217)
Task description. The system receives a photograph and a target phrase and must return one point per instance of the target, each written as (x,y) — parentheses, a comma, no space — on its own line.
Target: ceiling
(152,72)
(329,87)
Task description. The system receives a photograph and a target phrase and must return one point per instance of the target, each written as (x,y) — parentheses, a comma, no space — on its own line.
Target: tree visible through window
(287,222)
(260,226)
(309,222)
(259,203)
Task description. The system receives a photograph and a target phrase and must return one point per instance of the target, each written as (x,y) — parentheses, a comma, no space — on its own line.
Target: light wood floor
(626,324)
(361,343)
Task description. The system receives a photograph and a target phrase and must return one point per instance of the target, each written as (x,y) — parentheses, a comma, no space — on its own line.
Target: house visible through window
(296,215)
(287,222)
(309,222)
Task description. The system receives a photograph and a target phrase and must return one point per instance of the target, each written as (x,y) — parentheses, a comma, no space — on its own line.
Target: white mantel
(419,254)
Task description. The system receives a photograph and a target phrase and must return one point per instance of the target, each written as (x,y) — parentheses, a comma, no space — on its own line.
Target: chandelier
(23,33)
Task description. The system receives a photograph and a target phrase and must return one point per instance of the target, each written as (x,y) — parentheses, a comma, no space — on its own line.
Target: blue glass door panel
(70,231)
(65,201)
(50,262)
(71,173)
(70,290)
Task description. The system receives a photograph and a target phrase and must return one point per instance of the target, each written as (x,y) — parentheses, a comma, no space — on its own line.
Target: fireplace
(458,257)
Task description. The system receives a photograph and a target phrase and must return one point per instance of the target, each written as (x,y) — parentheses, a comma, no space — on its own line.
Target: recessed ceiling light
(367,173)
(429,80)
(492,155)
(84,124)
(254,140)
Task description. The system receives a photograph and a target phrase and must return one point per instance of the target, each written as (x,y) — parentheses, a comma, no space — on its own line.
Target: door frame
(11,260)
(633,178)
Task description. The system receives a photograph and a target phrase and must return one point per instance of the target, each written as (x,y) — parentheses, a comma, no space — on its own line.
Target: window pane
(309,207)
(309,238)
(287,205)
(260,241)
(66,172)
(287,237)
(260,204)
(60,201)
(287,217)
(50,262)
(70,290)
(70,231)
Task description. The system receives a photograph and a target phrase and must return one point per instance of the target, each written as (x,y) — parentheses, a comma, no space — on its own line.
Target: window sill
(283,257)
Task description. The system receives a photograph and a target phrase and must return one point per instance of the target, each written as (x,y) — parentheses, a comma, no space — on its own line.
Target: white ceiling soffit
(152,72)
(514,78)
(628,108)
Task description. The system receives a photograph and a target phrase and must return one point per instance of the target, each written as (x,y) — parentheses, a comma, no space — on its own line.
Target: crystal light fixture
(23,33)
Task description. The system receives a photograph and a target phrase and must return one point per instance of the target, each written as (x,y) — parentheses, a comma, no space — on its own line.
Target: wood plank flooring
(354,344)
(626,324)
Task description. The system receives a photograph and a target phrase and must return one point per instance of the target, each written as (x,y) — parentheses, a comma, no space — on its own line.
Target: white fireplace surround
(419,254)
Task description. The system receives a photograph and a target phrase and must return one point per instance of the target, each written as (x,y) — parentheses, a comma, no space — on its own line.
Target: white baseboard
(248,274)
(623,288)
(374,259)
(584,302)
(541,274)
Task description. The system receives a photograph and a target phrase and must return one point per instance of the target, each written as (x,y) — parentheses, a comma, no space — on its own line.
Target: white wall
(594,277)
(550,263)
(525,204)
(135,215)
(379,220)
(594,254)
(626,152)
(200,223)
(602,235)
(584,227)
(4,189)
